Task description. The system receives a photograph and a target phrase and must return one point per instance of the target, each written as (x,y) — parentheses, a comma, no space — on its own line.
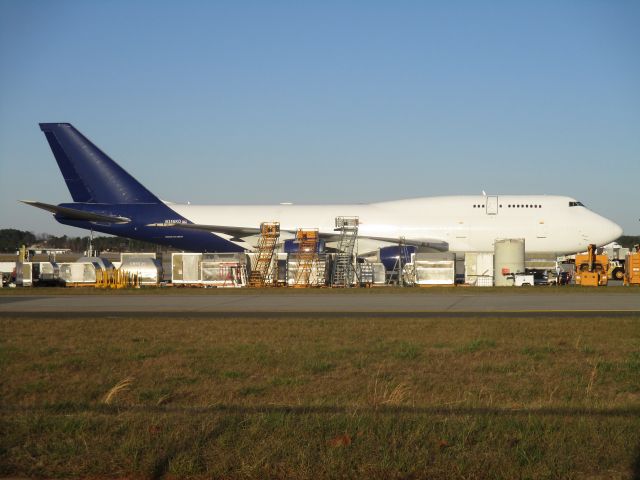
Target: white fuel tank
(508,260)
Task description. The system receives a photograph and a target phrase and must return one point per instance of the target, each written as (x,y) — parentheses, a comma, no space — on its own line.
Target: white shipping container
(379,273)
(215,269)
(185,267)
(78,272)
(147,269)
(98,262)
(6,271)
(371,273)
(224,274)
(484,281)
(46,272)
(7,267)
(24,274)
(441,272)
(433,268)
(476,265)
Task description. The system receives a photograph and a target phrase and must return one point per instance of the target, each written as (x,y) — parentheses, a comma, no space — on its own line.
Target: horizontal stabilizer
(74,214)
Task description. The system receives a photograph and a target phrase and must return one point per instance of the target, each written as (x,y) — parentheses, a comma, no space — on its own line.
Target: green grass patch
(539,352)
(253,390)
(319,366)
(407,351)
(477,345)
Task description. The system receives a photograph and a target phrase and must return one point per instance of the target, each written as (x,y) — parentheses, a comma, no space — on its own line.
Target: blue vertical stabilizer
(91,176)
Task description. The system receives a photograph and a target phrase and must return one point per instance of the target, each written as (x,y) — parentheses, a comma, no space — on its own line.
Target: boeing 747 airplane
(107,199)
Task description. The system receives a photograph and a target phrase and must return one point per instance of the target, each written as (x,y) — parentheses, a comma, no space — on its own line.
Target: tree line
(11,240)
(629,240)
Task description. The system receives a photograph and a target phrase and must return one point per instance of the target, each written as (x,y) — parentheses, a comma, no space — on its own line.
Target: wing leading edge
(241,232)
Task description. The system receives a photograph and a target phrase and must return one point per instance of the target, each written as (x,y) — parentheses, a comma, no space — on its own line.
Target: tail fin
(91,176)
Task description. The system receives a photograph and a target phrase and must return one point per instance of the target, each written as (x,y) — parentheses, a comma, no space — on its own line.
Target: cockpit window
(576,204)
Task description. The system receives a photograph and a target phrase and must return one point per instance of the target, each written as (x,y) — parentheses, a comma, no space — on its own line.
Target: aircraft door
(492,205)
(542,230)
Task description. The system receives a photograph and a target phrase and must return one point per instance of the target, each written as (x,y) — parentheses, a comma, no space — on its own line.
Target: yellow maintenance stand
(592,269)
(261,273)
(307,256)
(116,279)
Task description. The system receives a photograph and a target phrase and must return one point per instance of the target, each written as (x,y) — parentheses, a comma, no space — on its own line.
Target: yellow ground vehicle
(617,256)
(632,267)
(592,270)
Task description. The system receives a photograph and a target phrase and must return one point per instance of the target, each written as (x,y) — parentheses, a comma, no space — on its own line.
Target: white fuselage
(549,224)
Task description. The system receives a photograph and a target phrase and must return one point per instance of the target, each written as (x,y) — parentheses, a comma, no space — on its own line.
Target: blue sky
(265,102)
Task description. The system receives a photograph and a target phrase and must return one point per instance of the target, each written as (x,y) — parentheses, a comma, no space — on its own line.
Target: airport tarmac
(325,303)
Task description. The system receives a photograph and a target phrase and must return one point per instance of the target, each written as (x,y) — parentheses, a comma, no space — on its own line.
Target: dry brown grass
(119,387)
(245,397)
(383,393)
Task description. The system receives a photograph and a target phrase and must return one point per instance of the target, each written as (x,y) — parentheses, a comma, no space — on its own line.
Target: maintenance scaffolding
(262,271)
(306,256)
(342,275)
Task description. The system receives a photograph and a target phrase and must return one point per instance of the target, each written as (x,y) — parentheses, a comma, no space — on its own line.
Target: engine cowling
(389,255)
(292,246)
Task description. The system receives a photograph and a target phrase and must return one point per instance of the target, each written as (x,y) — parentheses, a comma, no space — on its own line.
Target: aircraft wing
(74,214)
(241,232)
(434,243)
(237,232)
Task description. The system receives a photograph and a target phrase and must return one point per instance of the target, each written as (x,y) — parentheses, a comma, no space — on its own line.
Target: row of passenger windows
(571,204)
(516,206)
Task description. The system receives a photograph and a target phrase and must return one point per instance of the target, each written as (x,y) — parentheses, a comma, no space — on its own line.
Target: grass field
(320,397)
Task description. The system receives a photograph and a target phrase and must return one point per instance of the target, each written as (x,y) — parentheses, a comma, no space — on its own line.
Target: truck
(616,254)
(592,269)
(617,258)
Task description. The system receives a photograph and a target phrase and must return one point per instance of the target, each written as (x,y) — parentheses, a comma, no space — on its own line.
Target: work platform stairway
(261,273)
(342,275)
(396,275)
(307,256)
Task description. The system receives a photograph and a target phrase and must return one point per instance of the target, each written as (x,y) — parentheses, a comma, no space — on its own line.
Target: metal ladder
(307,256)
(261,271)
(343,270)
(365,274)
(396,274)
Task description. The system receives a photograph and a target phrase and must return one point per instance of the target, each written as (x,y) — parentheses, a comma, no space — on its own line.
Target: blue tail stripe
(78,191)
(90,174)
(98,184)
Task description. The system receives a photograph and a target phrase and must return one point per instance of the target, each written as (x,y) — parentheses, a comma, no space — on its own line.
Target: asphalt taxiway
(397,302)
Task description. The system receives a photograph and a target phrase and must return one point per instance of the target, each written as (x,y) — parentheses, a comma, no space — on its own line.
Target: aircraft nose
(611,230)
(616,230)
